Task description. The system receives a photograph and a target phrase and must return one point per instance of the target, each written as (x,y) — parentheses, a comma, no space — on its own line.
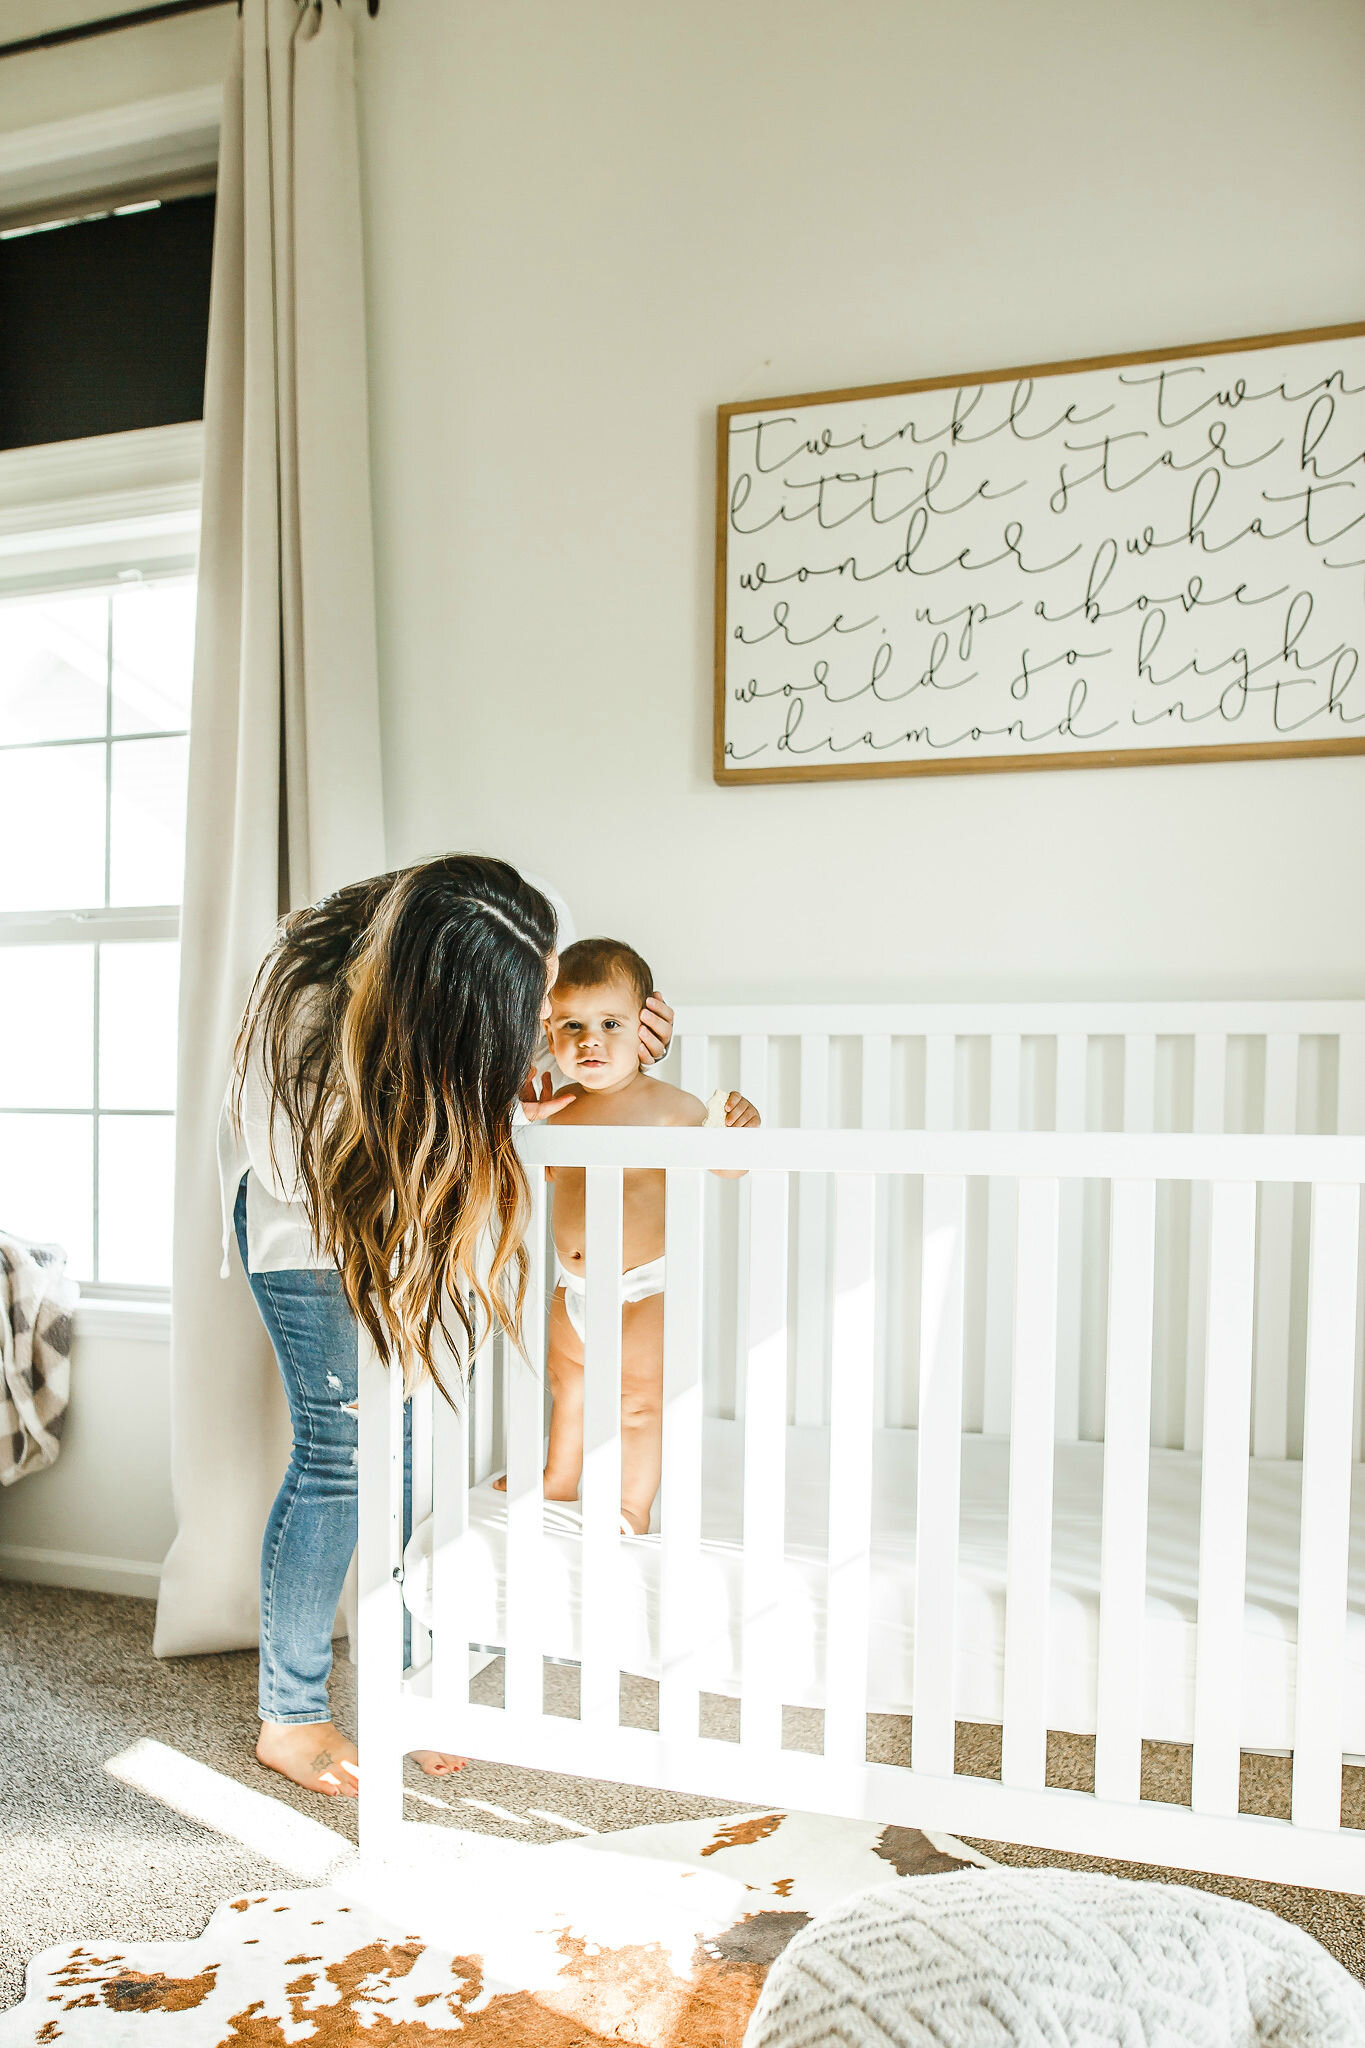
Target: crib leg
(380,1631)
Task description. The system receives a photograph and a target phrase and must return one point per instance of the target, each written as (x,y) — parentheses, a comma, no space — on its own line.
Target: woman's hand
(740,1114)
(656,1030)
(540,1101)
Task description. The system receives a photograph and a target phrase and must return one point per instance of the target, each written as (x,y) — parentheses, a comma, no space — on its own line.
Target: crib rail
(429,1703)
(1278,1067)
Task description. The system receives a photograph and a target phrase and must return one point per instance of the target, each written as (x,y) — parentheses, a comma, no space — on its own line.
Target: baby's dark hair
(590,962)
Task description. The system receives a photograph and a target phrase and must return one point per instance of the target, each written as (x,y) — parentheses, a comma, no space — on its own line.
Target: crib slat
(753,1084)
(1210,1093)
(600,1682)
(524,1691)
(450,1632)
(681,1484)
(482,1413)
(1072,1052)
(875,1082)
(765,1439)
(379,1435)
(939,1480)
(1001,1198)
(1139,1080)
(1123,1523)
(1028,1566)
(1350,1083)
(940,1111)
(1351,1119)
(940,1081)
(421,1498)
(421,1452)
(851,1423)
(753,1067)
(1270,1426)
(876,1116)
(1325,1526)
(812,1226)
(814,1081)
(481,1397)
(692,1064)
(1229,1311)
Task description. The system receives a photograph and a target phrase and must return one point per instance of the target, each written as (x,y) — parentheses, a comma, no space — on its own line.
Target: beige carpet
(85,1852)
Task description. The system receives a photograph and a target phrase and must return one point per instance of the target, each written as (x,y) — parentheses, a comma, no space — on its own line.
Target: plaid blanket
(36,1302)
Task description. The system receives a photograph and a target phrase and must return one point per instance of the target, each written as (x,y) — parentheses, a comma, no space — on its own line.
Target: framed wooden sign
(1134,559)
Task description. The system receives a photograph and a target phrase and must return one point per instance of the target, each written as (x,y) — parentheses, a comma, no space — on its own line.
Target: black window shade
(104,323)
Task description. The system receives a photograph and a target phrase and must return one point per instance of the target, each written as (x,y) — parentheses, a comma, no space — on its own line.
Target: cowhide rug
(659,1936)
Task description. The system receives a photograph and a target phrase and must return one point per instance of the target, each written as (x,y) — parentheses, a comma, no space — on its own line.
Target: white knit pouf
(1053,1959)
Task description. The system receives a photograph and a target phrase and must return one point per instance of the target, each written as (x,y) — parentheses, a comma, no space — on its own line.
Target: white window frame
(78,515)
(74,512)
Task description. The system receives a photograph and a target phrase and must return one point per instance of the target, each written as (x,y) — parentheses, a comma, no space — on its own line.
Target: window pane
(53,667)
(52,828)
(45,1183)
(147,827)
(47,1022)
(153,656)
(137,1026)
(137,1173)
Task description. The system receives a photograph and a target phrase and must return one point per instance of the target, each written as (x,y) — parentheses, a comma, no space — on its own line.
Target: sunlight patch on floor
(497,1812)
(297,1844)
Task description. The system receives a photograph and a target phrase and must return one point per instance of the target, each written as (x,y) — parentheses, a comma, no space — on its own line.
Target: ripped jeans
(310,1535)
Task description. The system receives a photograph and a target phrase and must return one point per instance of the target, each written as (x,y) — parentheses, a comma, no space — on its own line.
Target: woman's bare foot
(316,1755)
(439,1763)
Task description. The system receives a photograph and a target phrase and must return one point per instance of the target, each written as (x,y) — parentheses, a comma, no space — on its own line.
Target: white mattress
(1172,1577)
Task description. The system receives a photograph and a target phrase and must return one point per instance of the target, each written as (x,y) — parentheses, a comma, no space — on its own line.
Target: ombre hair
(396,1022)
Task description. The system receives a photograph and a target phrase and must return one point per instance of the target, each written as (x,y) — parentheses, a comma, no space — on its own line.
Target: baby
(594,1034)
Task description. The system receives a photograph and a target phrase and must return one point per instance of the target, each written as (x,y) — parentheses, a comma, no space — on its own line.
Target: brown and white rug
(659,1936)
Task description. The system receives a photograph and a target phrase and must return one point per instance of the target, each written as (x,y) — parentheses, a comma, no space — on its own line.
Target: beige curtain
(285,800)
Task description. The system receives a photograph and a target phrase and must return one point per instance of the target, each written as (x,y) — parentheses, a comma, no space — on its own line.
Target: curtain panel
(285,798)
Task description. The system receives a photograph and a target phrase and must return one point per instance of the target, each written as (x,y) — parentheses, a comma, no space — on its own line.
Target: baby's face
(594,1034)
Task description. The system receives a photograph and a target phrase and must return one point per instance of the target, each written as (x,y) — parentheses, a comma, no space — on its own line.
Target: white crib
(1019,1382)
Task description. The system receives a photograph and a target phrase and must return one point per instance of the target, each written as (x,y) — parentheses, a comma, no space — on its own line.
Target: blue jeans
(310,1535)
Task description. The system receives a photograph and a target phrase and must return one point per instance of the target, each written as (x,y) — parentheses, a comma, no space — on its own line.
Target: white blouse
(278,1235)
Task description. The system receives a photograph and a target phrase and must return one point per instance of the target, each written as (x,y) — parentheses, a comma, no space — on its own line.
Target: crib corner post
(380,1604)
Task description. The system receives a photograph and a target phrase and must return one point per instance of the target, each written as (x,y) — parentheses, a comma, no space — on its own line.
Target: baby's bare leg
(564,1461)
(642,1400)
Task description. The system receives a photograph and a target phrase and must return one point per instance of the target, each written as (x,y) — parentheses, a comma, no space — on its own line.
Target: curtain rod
(82,31)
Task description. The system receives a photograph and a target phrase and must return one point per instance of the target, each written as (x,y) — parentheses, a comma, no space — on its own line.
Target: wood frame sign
(1108,563)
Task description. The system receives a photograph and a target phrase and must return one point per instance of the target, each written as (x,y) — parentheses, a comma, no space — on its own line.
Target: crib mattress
(1172,1578)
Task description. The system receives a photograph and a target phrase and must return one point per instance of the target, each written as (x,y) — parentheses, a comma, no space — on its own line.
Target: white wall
(590,224)
(101,1517)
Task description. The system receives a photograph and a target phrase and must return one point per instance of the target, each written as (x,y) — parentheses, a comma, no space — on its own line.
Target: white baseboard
(81,1570)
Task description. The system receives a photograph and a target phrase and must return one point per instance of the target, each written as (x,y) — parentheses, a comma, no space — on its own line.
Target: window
(94,716)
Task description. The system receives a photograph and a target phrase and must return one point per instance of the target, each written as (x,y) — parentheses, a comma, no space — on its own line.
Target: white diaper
(636,1285)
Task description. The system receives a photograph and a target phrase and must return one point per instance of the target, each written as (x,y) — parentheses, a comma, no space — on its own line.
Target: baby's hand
(740,1114)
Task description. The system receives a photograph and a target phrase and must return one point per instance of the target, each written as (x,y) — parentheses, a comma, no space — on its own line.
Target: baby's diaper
(636,1285)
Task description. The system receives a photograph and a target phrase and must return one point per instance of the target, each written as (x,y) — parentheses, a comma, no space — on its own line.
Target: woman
(366,1149)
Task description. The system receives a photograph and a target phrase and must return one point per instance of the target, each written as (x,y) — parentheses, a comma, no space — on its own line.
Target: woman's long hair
(396,1022)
